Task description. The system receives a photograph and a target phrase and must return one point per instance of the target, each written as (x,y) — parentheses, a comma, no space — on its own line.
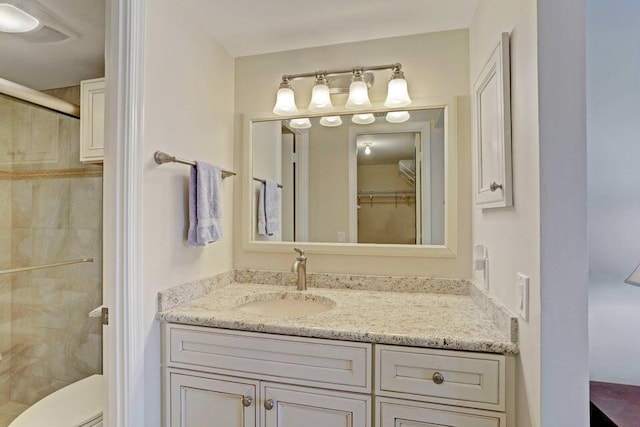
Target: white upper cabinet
(92,118)
(492,130)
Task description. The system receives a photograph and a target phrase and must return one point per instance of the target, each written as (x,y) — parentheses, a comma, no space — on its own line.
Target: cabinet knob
(268,404)
(494,186)
(247,401)
(438,378)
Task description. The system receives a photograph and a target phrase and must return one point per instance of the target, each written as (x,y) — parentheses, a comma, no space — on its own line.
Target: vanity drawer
(474,380)
(404,413)
(307,361)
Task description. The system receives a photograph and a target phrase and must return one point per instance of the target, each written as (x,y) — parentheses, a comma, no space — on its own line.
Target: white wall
(613,85)
(544,234)
(189,113)
(563,213)
(436,65)
(512,234)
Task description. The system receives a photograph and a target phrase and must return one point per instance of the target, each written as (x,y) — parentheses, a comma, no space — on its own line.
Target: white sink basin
(287,304)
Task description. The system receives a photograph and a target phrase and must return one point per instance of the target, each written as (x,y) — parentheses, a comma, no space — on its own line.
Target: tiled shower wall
(47,339)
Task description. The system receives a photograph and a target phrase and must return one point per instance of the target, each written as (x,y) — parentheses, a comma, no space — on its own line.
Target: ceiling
(386,148)
(251,27)
(52,65)
(243,27)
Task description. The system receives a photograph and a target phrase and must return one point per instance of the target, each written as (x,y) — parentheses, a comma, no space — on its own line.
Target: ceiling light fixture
(285,100)
(398,116)
(304,123)
(397,91)
(331,121)
(320,97)
(14,20)
(363,119)
(361,79)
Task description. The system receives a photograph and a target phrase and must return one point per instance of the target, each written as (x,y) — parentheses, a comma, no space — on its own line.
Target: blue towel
(268,209)
(205,204)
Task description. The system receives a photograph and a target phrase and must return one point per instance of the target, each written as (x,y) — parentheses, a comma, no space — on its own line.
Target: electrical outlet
(341,237)
(481,263)
(479,257)
(523,296)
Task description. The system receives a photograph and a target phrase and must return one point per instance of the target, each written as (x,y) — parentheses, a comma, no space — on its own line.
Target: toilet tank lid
(71,406)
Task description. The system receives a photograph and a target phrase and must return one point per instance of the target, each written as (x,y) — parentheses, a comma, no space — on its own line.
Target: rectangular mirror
(333,181)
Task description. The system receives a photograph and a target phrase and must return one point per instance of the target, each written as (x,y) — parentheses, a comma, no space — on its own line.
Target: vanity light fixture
(361,80)
(358,92)
(363,119)
(320,98)
(634,278)
(304,123)
(15,20)
(331,121)
(397,91)
(285,100)
(398,116)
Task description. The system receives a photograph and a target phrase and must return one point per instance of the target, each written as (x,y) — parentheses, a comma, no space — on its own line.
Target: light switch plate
(523,296)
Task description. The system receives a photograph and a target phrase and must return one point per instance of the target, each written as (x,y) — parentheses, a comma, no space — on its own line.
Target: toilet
(77,405)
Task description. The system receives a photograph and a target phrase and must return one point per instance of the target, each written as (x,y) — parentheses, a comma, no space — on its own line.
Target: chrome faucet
(300,267)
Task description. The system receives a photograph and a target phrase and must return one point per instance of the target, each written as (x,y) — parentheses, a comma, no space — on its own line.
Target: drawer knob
(268,404)
(495,186)
(438,378)
(247,401)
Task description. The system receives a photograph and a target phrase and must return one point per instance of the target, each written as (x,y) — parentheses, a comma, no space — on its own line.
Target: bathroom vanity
(371,358)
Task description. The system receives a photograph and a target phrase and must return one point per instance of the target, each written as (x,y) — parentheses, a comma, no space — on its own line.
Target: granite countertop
(434,320)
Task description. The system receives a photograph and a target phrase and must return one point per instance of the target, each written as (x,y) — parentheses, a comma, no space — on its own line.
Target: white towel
(205,204)
(268,209)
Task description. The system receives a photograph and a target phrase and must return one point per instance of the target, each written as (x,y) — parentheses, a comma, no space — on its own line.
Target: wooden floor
(614,405)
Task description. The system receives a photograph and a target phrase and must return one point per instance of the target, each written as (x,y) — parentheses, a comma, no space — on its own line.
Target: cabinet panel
(399,413)
(307,361)
(92,118)
(492,130)
(461,378)
(196,401)
(300,406)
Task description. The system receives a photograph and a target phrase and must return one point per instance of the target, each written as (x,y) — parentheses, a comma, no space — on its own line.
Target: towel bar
(161,157)
(264,181)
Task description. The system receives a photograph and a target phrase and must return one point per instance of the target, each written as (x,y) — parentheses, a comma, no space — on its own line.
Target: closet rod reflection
(265,181)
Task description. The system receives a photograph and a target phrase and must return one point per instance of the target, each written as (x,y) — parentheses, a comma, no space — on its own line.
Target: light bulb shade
(398,116)
(397,94)
(363,119)
(367,150)
(331,121)
(285,102)
(320,99)
(634,278)
(300,123)
(358,96)
(14,20)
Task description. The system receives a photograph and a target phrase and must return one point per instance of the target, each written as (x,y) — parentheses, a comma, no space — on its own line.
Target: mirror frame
(448,250)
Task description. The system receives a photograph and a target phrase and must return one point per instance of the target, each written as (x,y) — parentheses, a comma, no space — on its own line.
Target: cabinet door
(201,401)
(290,406)
(92,117)
(399,413)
